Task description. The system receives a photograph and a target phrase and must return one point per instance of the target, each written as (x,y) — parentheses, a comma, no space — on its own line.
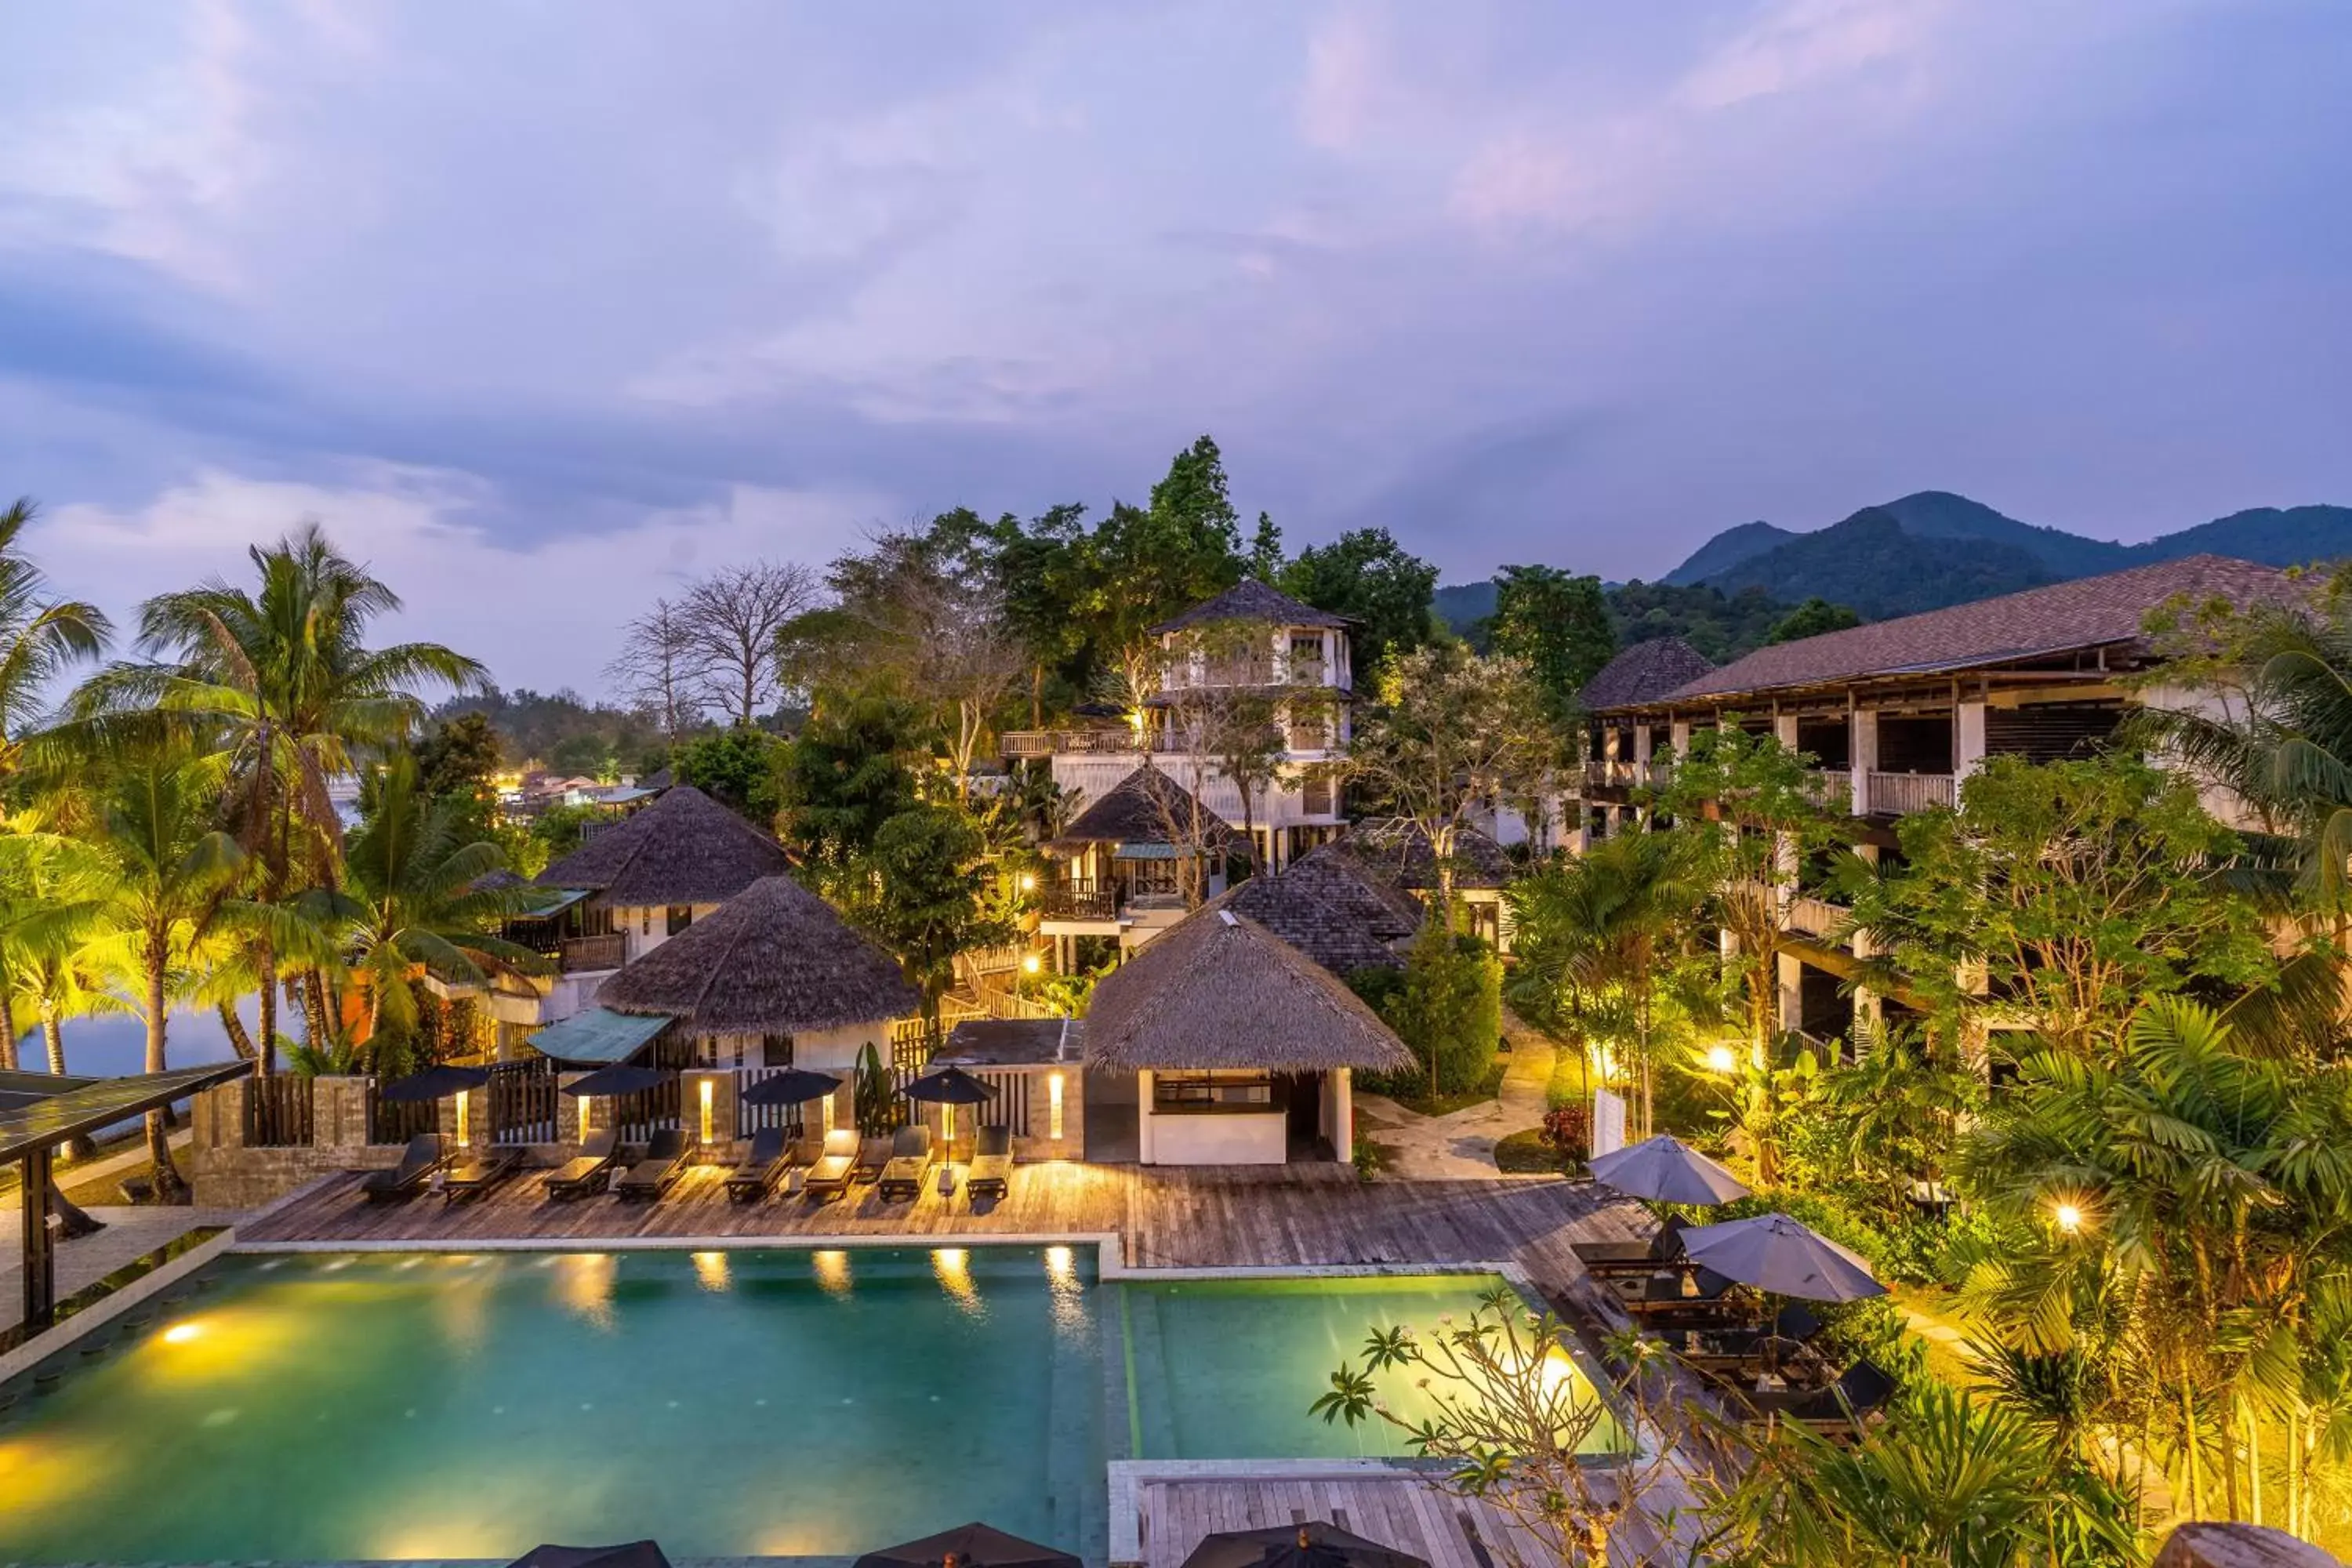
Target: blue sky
(543,305)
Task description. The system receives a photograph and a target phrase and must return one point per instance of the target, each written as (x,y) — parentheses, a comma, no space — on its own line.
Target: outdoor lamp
(1028,881)
(2069,1217)
(1029,965)
(1720,1059)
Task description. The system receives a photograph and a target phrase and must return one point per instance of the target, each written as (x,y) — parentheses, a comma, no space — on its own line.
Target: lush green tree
(1266,550)
(413,903)
(584,756)
(1558,624)
(168,867)
(1041,570)
(281,683)
(1721,626)
(40,636)
(1147,564)
(1449,1008)
(1447,733)
(926,899)
(2061,897)
(842,778)
(1811,619)
(457,765)
(1898,1111)
(2181,1209)
(1607,944)
(738,767)
(1766,817)
(1366,575)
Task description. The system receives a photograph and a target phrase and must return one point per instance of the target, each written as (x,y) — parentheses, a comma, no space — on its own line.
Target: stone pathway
(1462,1144)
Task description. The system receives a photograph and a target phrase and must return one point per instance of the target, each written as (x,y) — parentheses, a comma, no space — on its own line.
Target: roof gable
(1332,906)
(1251,600)
(1136,810)
(2091,612)
(684,849)
(1643,672)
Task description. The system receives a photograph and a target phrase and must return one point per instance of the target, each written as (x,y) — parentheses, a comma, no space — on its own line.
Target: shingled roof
(772,960)
(684,849)
(1136,810)
(1331,906)
(2094,612)
(1251,600)
(1400,850)
(1217,990)
(1643,673)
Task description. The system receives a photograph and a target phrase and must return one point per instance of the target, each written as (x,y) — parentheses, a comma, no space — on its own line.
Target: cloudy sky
(540,305)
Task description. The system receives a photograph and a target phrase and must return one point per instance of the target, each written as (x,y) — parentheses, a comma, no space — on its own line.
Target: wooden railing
(1814,916)
(522,1103)
(1061,902)
(1068,742)
(585,954)
(1895,794)
(277,1112)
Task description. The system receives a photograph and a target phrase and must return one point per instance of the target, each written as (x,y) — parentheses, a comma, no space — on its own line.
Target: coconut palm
(40,636)
(279,681)
(1599,938)
(414,900)
(168,871)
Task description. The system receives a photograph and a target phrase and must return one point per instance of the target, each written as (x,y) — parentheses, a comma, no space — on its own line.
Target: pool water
(745,1402)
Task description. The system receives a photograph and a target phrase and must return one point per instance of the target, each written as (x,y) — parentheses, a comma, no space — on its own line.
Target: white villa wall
(1216,1139)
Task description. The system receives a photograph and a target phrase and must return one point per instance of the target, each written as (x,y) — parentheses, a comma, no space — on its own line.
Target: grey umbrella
(793,1086)
(1775,1253)
(1668,1170)
(948,1088)
(434,1083)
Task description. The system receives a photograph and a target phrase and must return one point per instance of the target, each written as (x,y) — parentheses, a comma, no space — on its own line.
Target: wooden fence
(277,1112)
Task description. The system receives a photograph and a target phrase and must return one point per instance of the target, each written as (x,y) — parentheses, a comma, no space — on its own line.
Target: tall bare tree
(731,621)
(660,671)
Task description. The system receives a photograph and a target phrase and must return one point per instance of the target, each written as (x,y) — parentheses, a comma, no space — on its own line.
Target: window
(1307,661)
(680,917)
(1178,1093)
(775,1051)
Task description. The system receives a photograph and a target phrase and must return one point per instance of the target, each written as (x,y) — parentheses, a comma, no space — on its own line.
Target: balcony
(1069,742)
(1061,901)
(1814,916)
(1893,795)
(587,954)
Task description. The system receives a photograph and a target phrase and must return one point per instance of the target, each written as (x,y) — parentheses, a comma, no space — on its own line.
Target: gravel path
(1462,1144)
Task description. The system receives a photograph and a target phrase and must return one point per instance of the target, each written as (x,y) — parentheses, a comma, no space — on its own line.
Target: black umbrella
(793,1086)
(969,1546)
(434,1083)
(1312,1545)
(950,1087)
(635,1554)
(619,1078)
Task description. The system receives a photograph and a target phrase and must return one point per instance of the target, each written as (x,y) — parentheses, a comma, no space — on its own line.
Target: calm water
(745,1402)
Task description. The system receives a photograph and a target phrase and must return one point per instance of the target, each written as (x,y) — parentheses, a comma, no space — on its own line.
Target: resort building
(1334,906)
(1250,641)
(1238,1048)
(1896,715)
(1129,865)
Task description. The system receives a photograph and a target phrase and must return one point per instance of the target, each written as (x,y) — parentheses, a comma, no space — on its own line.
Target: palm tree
(414,901)
(169,870)
(280,682)
(39,636)
(1599,938)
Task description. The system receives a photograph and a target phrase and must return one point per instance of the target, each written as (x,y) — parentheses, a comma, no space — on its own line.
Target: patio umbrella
(971,1545)
(950,1087)
(635,1554)
(793,1086)
(1668,1170)
(1775,1253)
(434,1083)
(619,1078)
(1311,1545)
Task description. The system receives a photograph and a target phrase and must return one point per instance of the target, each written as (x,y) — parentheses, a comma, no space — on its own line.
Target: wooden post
(40,1246)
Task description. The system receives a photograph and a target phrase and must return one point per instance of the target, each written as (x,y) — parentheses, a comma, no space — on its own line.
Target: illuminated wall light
(705,1110)
(1054,1106)
(464,1105)
(586,1102)
(825,1113)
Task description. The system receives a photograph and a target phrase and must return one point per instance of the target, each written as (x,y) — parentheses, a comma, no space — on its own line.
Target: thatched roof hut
(684,849)
(1333,907)
(1138,810)
(1218,991)
(773,960)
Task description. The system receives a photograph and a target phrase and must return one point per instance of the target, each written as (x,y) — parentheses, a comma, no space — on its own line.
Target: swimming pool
(789,1403)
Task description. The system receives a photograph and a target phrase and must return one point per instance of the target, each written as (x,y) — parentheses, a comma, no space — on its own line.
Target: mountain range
(1934,548)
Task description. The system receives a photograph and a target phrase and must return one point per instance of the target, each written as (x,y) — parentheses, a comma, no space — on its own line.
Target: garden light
(1721,1058)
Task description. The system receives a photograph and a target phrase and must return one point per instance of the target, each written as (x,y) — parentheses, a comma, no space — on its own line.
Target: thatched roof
(773,960)
(1333,907)
(1251,600)
(684,849)
(1400,850)
(1219,990)
(1138,810)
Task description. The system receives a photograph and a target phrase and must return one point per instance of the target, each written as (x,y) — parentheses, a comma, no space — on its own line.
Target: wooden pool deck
(1167,1218)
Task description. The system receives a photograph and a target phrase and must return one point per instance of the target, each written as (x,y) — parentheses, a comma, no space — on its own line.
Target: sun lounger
(762,1170)
(991,1165)
(664,1164)
(1602,1258)
(1838,1412)
(873,1153)
(423,1156)
(829,1177)
(476,1175)
(588,1171)
(910,1160)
